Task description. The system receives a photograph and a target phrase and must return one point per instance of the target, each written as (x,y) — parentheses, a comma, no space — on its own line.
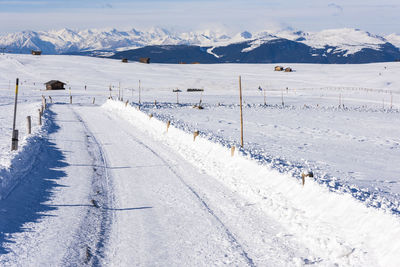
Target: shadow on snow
(26,203)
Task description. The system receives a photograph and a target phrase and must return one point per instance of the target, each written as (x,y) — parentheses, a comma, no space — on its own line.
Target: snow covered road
(154,208)
(168,213)
(110,189)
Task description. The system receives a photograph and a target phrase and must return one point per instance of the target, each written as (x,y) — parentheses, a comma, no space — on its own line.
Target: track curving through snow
(171,213)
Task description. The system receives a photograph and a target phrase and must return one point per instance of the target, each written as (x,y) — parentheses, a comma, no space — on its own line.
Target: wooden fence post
(168,124)
(14,142)
(195,134)
(29,124)
(241,111)
(304,175)
(232,151)
(40,117)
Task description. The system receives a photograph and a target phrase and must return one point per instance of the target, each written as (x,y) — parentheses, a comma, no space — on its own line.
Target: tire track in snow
(232,239)
(94,231)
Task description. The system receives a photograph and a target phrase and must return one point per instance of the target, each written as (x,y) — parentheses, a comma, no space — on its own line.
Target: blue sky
(380,17)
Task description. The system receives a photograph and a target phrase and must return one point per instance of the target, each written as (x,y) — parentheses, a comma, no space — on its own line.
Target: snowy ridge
(70,41)
(354,235)
(21,162)
(67,41)
(371,198)
(394,39)
(347,40)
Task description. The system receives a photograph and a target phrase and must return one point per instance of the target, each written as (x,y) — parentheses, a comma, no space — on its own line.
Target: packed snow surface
(101,179)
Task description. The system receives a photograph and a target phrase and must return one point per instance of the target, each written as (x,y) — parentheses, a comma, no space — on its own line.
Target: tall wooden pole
(14,138)
(139,93)
(241,111)
(391,100)
(265,98)
(119,91)
(70,96)
(15,103)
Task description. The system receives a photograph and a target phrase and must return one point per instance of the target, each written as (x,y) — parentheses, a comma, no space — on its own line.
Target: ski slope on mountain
(107,184)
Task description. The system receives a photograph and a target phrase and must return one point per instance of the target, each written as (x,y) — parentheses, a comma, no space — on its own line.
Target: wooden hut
(54,85)
(288,69)
(279,68)
(145,60)
(36,52)
(124,60)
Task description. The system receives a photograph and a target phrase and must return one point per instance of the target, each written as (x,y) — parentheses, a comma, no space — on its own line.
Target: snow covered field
(193,202)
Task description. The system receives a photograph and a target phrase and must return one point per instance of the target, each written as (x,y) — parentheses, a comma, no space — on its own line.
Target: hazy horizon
(192,15)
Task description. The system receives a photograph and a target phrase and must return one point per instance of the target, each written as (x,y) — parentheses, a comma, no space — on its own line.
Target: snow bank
(335,226)
(21,162)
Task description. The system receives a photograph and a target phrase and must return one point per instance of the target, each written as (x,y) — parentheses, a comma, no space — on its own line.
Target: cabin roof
(53,82)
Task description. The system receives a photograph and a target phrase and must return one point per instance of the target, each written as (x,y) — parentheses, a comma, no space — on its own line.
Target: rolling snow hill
(100,179)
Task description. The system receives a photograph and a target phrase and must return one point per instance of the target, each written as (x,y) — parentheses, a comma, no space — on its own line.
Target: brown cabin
(288,69)
(279,68)
(54,85)
(145,60)
(36,52)
(124,60)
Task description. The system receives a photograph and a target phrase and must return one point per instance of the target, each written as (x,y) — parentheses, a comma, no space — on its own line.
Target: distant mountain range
(162,46)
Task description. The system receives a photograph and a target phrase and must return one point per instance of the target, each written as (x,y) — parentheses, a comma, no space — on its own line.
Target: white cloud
(337,9)
(234,15)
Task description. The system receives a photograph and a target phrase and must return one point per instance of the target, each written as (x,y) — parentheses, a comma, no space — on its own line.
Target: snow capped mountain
(394,39)
(345,40)
(66,40)
(338,42)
